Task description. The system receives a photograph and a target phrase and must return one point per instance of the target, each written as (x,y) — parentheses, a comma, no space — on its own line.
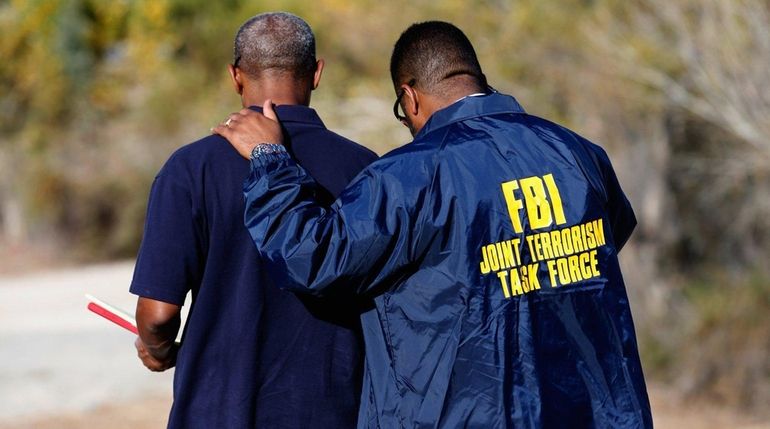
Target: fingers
(147,359)
(247,128)
(223,131)
(226,127)
(235,120)
(232,127)
(267,108)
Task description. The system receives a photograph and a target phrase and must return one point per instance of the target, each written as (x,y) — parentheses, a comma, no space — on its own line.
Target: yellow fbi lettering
(564,256)
(500,256)
(541,212)
(566,241)
(519,281)
(574,268)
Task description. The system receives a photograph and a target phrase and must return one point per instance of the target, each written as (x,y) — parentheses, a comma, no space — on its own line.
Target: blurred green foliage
(95,95)
(724,350)
(93,92)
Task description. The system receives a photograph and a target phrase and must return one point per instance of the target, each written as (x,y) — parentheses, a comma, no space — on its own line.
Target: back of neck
(458,87)
(284,91)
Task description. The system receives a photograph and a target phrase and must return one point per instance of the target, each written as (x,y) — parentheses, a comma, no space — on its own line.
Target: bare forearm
(159,339)
(158,324)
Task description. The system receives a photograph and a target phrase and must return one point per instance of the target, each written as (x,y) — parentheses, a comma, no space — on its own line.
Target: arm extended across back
(367,235)
(360,240)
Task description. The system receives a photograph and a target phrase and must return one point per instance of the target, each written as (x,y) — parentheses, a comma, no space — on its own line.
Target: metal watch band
(263,149)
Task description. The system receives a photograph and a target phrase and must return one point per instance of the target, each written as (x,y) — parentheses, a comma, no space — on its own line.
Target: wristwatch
(263,149)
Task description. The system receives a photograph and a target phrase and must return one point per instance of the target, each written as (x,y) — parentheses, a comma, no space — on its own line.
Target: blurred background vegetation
(94,96)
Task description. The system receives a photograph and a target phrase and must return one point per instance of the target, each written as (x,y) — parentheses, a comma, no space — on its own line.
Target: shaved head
(433,54)
(275,42)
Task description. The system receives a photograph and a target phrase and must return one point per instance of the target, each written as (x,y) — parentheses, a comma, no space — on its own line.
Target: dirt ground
(143,413)
(62,367)
(669,412)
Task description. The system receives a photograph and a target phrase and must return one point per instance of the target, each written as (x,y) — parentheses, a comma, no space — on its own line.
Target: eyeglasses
(397,105)
(237,60)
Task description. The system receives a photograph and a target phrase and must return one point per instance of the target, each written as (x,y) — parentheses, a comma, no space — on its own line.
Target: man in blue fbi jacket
(489,245)
(244,360)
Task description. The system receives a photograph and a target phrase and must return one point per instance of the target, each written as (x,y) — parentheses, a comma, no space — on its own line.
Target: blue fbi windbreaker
(489,246)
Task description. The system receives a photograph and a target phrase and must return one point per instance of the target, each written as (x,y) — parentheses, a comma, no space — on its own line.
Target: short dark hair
(277,41)
(432,52)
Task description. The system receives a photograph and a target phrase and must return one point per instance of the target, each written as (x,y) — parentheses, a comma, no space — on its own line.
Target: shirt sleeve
(363,238)
(169,260)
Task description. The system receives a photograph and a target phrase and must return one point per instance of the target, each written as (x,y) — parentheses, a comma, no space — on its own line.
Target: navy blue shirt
(252,355)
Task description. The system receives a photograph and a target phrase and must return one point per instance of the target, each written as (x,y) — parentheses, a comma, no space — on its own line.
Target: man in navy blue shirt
(490,245)
(251,355)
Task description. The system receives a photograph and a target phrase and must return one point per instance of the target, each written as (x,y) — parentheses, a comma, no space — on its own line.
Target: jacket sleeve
(360,240)
(621,215)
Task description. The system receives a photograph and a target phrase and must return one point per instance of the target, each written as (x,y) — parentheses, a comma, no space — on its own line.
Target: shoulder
(551,130)
(332,160)
(585,151)
(212,145)
(589,157)
(584,148)
(194,156)
(329,141)
(351,146)
(414,162)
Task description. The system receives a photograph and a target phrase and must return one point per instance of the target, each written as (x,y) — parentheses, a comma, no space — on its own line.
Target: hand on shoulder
(247,128)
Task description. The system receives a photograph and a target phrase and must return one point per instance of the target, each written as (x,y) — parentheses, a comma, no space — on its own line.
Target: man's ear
(411,100)
(236,77)
(319,68)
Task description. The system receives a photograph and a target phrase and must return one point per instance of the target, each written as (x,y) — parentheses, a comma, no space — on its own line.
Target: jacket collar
(295,113)
(471,107)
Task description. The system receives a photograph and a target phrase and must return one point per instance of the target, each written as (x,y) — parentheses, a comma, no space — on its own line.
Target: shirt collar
(476,94)
(471,107)
(295,113)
